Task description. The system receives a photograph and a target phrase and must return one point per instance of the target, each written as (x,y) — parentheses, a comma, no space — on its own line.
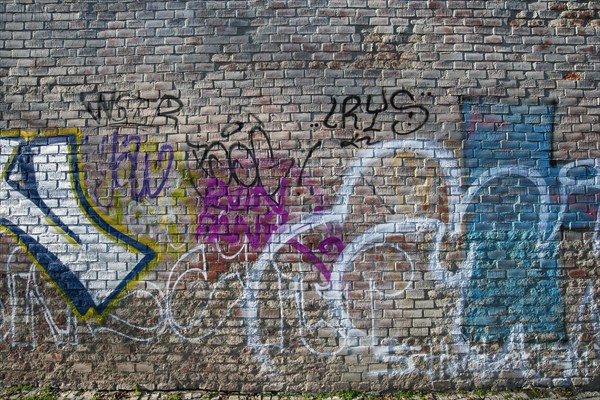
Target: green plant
(137,389)
(172,396)
(533,392)
(18,389)
(407,394)
(348,394)
(44,393)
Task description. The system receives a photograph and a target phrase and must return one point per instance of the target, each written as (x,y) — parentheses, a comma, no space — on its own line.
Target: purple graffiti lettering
(123,169)
(231,213)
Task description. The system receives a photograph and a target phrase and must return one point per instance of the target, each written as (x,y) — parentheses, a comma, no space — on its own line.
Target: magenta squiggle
(323,249)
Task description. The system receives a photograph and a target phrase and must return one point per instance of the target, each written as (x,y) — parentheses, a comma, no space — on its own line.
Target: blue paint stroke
(65,279)
(514,279)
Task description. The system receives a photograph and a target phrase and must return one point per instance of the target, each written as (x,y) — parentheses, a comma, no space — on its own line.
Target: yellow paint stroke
(28,135)
(61,231)
(424,192)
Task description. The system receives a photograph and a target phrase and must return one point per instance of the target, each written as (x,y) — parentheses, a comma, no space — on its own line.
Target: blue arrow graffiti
(44,206)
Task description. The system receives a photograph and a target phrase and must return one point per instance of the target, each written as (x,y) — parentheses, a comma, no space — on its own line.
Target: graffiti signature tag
(409,116)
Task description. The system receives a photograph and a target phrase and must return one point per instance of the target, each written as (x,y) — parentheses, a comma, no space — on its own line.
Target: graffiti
(25,285)
(171,313)
(519,258)
(210,316)
(234,205)
(165,310)
(335,291)
(130,171)
(165,223)
(323,246)
(240,163)
(522,207)
(409,116)
(46,210)
(433,359)
(243,187)
(308,157)
(364,276)
(124,109)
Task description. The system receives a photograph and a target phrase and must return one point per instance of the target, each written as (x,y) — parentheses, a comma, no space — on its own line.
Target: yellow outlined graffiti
(90,261)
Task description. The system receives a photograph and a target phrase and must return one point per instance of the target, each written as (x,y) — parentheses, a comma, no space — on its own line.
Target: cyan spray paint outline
(65,280)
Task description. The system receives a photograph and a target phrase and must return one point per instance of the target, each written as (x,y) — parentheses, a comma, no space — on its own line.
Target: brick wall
(300,195)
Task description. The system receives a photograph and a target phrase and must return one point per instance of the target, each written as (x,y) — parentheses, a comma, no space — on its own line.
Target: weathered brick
(331,193)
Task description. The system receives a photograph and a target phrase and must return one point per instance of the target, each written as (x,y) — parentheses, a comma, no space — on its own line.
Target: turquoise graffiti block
(514,280)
